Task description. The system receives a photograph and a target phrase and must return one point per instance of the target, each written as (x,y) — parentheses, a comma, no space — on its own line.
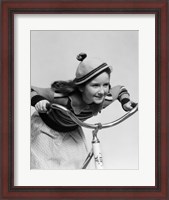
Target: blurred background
(53,57)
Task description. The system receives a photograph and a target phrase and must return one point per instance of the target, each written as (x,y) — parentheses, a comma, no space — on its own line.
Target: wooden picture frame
(9,9)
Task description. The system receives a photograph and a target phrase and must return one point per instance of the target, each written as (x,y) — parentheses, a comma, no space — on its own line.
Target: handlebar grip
(134,104)
(49,107)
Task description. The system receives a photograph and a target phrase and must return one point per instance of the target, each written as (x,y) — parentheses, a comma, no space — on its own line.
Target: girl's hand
(41,106)
(129,105)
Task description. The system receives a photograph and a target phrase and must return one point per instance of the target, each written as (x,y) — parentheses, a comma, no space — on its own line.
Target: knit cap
(88,68)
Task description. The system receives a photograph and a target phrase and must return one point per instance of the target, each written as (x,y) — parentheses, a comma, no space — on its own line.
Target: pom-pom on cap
(88,68)
(81,56)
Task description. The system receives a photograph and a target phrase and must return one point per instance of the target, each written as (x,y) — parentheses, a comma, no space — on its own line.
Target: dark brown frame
(9,8)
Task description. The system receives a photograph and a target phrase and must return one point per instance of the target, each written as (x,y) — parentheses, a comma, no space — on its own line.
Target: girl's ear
(81,89)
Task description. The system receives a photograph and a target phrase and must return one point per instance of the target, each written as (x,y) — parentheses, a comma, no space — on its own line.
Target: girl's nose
(101,90)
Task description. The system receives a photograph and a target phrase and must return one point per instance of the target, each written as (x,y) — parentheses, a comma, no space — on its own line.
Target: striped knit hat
(88,68)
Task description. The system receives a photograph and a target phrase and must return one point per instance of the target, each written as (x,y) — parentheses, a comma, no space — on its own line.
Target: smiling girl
(56,141)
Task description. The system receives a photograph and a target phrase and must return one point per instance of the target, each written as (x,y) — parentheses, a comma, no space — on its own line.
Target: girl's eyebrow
(95,83)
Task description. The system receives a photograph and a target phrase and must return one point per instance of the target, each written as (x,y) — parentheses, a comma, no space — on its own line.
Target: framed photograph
(48,43)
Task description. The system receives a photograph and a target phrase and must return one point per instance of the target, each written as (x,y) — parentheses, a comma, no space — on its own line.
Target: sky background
(53,57)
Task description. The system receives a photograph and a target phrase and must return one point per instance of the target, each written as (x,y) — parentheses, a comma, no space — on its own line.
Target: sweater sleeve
(119,92)
(38,94)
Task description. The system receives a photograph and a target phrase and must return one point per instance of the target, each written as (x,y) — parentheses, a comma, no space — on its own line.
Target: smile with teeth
(100,96)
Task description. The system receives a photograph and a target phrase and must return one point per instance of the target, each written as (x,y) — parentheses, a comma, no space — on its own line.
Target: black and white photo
(94,74)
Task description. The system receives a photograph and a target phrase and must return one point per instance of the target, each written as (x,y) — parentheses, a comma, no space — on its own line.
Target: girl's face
(96,90)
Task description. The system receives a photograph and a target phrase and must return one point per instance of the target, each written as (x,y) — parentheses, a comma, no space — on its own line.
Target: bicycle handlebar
(94,126)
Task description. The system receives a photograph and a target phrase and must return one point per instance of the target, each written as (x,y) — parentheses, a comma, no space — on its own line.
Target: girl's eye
(98,85)
(95,85)
(106,85)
